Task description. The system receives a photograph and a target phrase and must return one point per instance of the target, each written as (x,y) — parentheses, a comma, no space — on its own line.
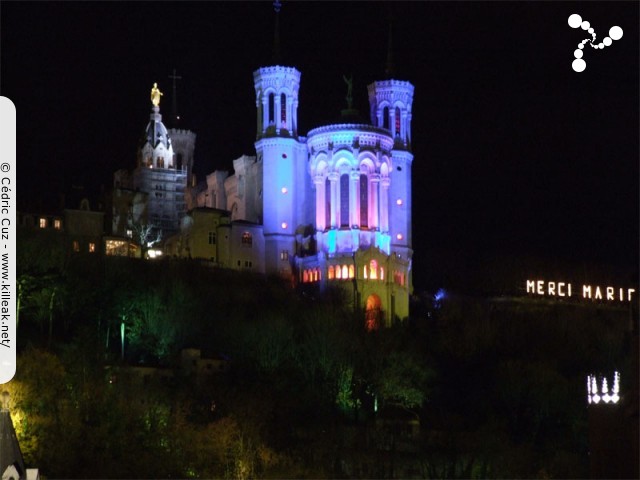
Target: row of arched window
(283,108)
(398,278)
(311,275)
(386,119)
(373,272)
(344,272)
(341,272)
(370,271)
(344,201)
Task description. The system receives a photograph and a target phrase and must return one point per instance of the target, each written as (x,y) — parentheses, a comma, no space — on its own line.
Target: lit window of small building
(331,273)
(345,272)
(76,246)
(92,247)
(247,239)
(130,233)
(43,222)
(351,271)
(284,255)
(338,272)
(57,224)
(305,276)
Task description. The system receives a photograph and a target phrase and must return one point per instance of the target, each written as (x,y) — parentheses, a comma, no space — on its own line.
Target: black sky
(514,151)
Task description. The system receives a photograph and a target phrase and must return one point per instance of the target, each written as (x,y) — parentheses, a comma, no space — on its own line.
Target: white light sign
(589,292)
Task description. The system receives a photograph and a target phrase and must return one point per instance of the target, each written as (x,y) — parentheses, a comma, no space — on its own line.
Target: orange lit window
(351,271)
(365,272)
(345,272)
(76,246)
(247,239)
(338,271)
(92,247)
(43,222)
(381,273)
(331,272)
(305,276)
(57,224)
(373,267)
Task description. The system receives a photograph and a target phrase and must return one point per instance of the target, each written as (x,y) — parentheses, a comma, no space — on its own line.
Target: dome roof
(156,132)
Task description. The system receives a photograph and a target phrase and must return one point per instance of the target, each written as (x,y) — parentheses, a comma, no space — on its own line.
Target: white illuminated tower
(390,102)
(158,176)
(284,160)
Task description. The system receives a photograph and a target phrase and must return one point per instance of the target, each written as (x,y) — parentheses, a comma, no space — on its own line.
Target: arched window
(283,109)
(364,201)
(351,271)
(365,272)
(271,108)
(316,275)
(331,272)
(397,120)
(344,200)
(345,272)
(327,197)
(305,276)
(338,272)
(373,270)
(385,117)
(381,273)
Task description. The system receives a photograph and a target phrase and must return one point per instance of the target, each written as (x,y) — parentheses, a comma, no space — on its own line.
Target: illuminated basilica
(331,208)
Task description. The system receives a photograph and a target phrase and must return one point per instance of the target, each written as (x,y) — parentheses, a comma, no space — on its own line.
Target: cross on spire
(174,103)
(277,56)
(389,69)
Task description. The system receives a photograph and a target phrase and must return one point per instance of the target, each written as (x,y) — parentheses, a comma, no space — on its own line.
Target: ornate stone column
(354,199)
(321,215)
(333,178)
(374,214)
(385,182)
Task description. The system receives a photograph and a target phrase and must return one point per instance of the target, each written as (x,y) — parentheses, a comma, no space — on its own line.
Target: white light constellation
(575,21)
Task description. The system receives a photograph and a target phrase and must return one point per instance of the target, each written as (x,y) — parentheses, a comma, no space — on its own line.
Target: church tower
(390,102)
(284,160)
(157,174)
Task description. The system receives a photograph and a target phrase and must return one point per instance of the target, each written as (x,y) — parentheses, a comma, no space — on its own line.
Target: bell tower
(284,160)
(391,102)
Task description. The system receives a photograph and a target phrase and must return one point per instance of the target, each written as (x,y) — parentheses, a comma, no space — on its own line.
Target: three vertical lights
(596,395)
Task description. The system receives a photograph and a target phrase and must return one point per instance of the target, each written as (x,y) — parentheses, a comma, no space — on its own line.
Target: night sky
(514,152)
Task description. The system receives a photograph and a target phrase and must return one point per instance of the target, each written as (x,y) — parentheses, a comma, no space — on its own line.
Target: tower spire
(174,102)
(389,69)
(277,57)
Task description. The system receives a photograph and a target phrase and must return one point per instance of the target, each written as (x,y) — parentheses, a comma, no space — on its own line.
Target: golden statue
(155,95)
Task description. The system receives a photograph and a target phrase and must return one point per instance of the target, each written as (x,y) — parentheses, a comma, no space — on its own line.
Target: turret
(390,102)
